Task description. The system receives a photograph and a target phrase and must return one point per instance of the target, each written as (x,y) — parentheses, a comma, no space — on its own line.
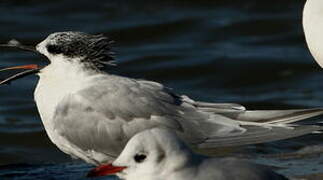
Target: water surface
(249,52)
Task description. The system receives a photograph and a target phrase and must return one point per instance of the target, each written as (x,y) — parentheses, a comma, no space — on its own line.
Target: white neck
(58,80)
(313,28)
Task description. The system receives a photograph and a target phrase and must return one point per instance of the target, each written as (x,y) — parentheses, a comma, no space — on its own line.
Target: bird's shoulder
(116,96)
(117,85)
(121,89)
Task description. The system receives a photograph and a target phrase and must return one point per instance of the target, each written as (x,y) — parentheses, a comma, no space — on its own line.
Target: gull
(158,154)
(91,114)
(313,28)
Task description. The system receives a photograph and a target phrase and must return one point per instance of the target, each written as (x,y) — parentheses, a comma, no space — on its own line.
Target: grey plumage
(91,114)
(104,116)
(255,134)
(276,116)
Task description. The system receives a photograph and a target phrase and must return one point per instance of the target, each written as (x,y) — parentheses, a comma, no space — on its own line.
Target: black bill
(16,44)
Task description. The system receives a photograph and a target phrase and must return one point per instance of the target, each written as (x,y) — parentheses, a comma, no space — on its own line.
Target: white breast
(55,82)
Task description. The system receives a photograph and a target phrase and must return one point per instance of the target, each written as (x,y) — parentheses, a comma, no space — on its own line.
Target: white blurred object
(313,28)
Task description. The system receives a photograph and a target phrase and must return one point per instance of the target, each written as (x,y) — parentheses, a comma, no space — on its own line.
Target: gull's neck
(313,28)
(178,160)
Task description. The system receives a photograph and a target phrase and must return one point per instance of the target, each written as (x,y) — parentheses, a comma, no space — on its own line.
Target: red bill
(29,69)
(105,170)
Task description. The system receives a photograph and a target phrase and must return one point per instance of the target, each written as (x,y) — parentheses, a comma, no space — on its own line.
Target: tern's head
(72,49)
(154,152)
(93,51)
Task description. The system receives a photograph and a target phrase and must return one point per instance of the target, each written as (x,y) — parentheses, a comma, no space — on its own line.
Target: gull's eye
(140,158)
(54,49)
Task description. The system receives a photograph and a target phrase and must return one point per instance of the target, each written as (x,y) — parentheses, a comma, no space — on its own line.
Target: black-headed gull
(91,114)
(158,154)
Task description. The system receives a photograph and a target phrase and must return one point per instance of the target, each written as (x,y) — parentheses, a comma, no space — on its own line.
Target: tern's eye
(140,158)
(54,49)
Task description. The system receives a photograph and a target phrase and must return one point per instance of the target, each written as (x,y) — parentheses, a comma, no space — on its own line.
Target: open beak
(29,69)
(105,170)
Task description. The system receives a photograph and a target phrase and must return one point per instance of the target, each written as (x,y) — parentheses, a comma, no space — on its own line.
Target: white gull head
(159,154)
(153,154)
(313,28)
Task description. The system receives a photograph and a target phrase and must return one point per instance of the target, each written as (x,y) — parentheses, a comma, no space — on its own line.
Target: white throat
(313,28)
(57,80)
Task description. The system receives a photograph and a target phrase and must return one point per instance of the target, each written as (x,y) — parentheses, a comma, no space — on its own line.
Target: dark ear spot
(161,157)
(54,49)
(139,158)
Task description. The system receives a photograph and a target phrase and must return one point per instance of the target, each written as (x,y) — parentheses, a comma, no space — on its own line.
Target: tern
(91,114)
(158,154)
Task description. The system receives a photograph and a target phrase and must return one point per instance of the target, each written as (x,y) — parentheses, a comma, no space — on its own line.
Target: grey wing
(105,115)
(239,112)
(260,125)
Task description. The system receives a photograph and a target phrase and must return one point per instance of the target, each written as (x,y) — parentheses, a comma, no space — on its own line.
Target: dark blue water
(249,52)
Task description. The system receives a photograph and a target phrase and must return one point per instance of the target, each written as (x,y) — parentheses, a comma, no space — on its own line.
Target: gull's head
(93,51)
(313,28)
(151,153)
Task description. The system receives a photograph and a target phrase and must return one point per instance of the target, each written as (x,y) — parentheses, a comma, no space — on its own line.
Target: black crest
(93,50)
